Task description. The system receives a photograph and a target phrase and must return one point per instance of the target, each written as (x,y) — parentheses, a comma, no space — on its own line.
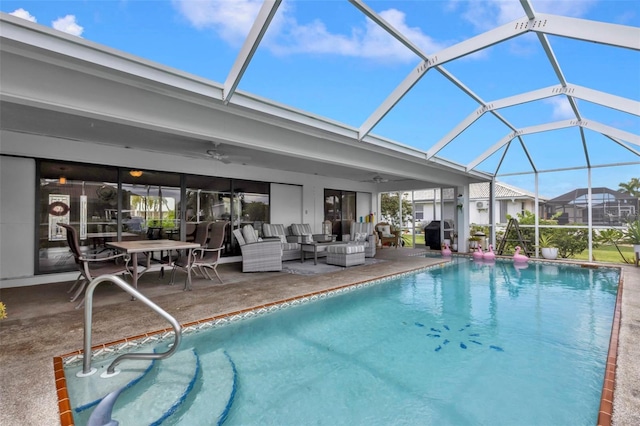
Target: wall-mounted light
(135,173)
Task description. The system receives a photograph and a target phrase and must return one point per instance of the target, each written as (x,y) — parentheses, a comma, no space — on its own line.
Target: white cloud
(561,108)
(68,25)
(233,19)
(487,14)
(21,13)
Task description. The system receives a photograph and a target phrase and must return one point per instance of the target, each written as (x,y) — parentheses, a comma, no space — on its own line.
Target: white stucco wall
(17,216)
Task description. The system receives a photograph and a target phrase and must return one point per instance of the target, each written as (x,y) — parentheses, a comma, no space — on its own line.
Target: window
(107,203)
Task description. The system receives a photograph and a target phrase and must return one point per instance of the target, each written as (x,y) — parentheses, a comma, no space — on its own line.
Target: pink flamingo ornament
(489,255)
(478,254)
(520,258)
(446,251)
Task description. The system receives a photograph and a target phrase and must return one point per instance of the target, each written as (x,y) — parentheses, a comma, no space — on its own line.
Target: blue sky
(326,57)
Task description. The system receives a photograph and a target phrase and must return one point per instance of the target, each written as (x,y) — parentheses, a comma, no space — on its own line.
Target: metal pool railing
(88,314)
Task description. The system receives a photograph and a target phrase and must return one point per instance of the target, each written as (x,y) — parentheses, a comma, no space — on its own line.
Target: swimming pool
(468,343)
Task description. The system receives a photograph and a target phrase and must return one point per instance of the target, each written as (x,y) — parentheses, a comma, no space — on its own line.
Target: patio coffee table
(315,248)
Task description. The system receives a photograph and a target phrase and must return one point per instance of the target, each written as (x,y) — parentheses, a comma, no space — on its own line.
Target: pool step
(215,394)
(159,395)
(86,392)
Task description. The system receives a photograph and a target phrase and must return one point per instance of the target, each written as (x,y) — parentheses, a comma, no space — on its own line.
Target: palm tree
(632,187)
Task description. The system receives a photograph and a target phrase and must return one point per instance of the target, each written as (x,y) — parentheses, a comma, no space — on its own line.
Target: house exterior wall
(18,186)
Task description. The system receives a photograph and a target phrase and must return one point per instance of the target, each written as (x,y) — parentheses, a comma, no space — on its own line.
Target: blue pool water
(465,344)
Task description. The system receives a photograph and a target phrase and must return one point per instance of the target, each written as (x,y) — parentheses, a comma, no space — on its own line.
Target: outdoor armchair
(362,232)
(258,256)
(386,235)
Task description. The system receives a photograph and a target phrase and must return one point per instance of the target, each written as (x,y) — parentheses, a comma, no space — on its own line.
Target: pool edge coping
(605,411)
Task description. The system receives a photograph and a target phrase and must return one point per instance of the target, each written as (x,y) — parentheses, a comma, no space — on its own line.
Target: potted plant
(545,242)
(632,235)
(473,242)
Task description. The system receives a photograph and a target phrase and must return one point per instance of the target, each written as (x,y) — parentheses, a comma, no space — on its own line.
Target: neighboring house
(610,207)
(509,200)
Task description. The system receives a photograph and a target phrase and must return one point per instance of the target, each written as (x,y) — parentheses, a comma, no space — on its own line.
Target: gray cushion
(274,230)
(301,229)
(346,248)
(249,234)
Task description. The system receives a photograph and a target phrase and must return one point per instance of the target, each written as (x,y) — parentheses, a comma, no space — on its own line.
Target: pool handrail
(88,314)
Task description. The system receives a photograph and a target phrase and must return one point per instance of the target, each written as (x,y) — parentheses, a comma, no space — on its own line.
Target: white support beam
(464,48)
(388,28)
(585,148)
(502,157)
(489,152)
(526,130)
(526,152)
(523,98)
(395,96)
(624,145)
(605,99)
(257,31)
(610,131)
(545,127)
(582,29)
(479,42)
(460,127)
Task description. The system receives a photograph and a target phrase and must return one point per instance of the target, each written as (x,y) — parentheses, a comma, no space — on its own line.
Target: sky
(327,58)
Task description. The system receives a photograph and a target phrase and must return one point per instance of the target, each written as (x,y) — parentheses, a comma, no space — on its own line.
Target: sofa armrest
(262,248)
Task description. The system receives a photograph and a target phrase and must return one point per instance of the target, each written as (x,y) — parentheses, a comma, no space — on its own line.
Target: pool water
(468,343)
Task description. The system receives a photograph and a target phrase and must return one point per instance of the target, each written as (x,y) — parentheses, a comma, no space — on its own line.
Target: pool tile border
(605,413)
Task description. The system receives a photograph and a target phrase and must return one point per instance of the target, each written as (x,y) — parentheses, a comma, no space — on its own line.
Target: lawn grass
(608,254)
(408,240)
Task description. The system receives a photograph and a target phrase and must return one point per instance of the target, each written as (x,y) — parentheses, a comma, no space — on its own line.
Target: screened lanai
(544,96)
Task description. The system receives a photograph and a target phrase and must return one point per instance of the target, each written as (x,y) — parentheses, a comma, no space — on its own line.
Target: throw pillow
(360,236)
(249,234)
(307,238)
(283,239)
(385,229)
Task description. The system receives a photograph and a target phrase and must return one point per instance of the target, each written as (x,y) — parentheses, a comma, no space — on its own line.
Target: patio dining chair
(210,236)
(206,258)
(186,262)
(91,267)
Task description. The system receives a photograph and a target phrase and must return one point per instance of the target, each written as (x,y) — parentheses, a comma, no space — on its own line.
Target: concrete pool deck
(42,324)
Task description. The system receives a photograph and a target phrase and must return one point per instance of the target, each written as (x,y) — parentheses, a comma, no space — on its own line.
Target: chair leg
(173,275)
(79,291)
(215,270)
(77,281)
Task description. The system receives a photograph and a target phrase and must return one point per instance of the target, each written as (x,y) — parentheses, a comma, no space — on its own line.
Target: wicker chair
(258,256)
(387,236)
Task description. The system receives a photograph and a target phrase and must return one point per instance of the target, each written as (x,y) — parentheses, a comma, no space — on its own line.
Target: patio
(43,324)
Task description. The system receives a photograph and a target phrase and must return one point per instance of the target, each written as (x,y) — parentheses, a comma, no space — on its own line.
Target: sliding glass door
(340,210)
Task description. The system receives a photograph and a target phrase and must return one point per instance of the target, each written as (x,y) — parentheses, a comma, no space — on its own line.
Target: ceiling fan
(225,158)
(379,179)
